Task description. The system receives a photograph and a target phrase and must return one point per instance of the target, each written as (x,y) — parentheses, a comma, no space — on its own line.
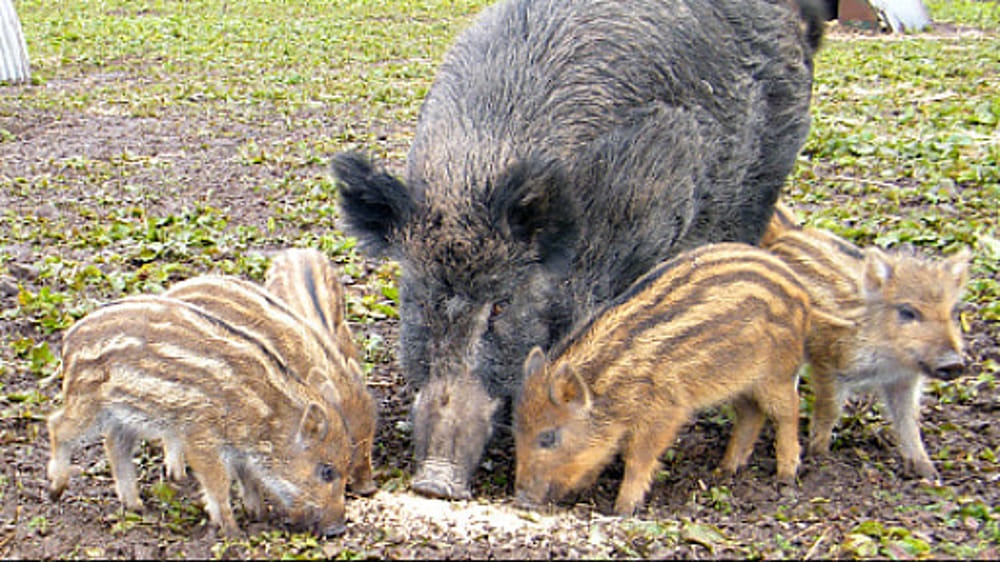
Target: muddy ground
(855,503)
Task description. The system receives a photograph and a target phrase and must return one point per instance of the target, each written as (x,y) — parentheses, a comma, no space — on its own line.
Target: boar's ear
(535,363)
(531,203)
(567,389)
(877,273)
(313,427)
(958,266)
(375,204)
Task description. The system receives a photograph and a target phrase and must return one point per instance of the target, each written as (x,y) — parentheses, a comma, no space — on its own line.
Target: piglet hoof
(135,506)
(819,446)
(788,490)
(625,508)
(723,475)
(624,511)
(819,449)
(786,474)
(230,532)
(176,474)
(56,493)
(921,469)
(528,503)
(726,469)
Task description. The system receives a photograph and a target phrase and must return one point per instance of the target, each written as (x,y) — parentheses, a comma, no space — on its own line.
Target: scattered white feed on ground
(406,518)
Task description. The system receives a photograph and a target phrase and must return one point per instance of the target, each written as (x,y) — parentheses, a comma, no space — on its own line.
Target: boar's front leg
(250,492)
(902,397)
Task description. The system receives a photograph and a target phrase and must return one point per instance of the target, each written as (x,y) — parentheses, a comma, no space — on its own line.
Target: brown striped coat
(304,347)
(721,323)
(902,313)
(305,279)
(159,368)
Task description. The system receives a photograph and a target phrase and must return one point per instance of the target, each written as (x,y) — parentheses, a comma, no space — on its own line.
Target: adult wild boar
(565,147)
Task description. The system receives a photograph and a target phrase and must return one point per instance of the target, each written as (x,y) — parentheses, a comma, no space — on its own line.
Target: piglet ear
(531,204)
(355,370)
(375,205)
(877,272)
(328,391)
(313,427)
(535,363)
(958,266)
(567,389)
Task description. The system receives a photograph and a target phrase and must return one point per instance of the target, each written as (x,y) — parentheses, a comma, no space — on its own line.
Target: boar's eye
(548,439)
(907,313)
(498,308)
(327,473)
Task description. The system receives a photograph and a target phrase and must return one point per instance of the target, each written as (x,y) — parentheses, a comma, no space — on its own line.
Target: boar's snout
(948,367)
(438,478)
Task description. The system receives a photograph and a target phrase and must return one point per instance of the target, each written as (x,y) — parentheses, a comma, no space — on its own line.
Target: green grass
(905,143)
(376,55)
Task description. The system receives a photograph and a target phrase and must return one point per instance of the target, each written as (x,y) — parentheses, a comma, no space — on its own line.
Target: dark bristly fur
(159,368)
(783,220)
(721,323)
(564,149)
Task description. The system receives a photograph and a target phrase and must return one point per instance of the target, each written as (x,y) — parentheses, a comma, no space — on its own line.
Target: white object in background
(13,51)
(902,15)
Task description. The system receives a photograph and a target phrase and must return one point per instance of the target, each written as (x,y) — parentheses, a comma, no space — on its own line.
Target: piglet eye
(327,473)
(907,313)
(548,439)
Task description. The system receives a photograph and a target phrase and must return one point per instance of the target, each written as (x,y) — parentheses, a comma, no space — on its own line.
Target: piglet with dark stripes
(160,368)
(306,280)
(306,348)
(722,323)
(903,328)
